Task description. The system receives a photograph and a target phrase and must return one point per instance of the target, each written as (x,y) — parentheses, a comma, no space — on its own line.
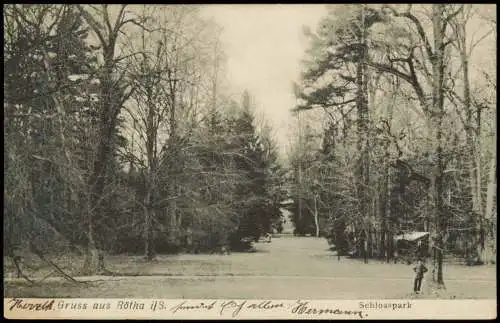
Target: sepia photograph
(240,152)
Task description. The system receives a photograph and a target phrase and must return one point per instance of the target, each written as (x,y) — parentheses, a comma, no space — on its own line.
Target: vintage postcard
(271,161)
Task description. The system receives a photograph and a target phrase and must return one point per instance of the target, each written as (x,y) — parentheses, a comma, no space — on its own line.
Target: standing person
(419,270)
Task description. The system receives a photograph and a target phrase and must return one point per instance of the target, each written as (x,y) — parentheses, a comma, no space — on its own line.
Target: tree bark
(362,124)
(111,100)
(473,143)
(174,162)
(104,156)
(316,220)
(91,260)
(152,159)
(488,254)
(149,215)
(437,114)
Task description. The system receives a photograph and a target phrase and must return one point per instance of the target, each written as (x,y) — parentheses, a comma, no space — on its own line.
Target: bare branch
(119,20)
(451,16)
(106,18)
(408,78)
(418,25)
(473,45)
(94,24)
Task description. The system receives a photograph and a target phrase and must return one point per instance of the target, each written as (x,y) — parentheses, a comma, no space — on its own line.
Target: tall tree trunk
(473,143)
(488,253)
(437,119)
(174,224)
(298,224)
(111,100)
(174,162)
(92,260)
(479,241)
(316,220)
(104,156)
(365,247)
(362,124)
(152,160)
(149,215)
(382,219)
(388,223)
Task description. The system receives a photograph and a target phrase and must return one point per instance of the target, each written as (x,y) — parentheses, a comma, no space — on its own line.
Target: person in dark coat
(419,270)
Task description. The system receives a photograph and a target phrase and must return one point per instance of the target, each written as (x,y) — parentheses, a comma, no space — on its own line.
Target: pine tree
(259,193)
(49,109)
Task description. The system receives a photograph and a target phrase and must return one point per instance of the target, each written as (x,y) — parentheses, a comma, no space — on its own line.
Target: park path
(288,267)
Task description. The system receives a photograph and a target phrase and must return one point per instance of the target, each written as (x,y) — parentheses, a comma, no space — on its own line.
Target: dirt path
(289,267)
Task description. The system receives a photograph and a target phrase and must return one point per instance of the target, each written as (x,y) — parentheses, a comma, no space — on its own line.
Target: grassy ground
(286,268)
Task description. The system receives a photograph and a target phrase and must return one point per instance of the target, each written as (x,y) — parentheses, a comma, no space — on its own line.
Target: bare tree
(115,91)
(472,121)
(165,107)
(433,53)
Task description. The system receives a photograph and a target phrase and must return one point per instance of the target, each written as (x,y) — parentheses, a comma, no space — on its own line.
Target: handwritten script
(304,308)
(20,304)
(221,308)
(236,307)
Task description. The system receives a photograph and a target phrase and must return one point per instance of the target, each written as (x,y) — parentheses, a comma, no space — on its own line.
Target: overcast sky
(264,45)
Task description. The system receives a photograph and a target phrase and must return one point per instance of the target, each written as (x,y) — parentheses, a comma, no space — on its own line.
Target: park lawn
(297,287)
(285,268)
(262,263)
